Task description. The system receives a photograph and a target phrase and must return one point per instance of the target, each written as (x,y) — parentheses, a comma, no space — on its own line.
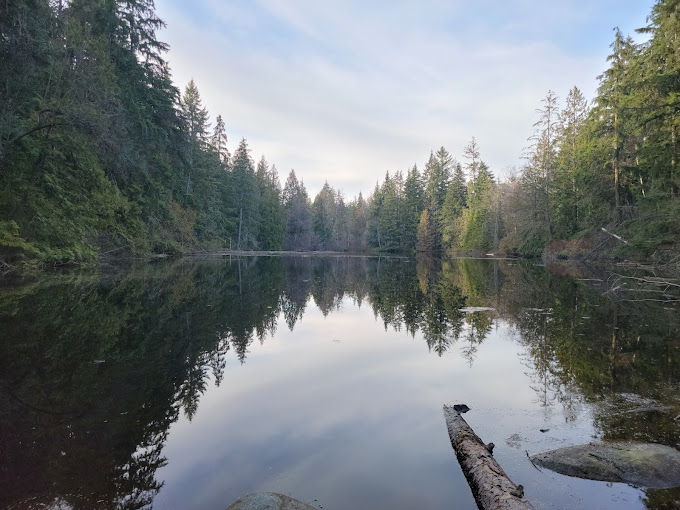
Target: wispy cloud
(343,91)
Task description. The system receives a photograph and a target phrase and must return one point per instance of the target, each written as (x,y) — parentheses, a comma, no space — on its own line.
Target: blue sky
(345,90)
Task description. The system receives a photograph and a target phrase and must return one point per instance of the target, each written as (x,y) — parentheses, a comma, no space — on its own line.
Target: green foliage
(97,148)
(246,198)
(479,218)
(298,224)
(655,231)
(616,162)
(12,245)
(413,205)
(101,154)
(426,234)
(390,216)
(324,217)
(271,214)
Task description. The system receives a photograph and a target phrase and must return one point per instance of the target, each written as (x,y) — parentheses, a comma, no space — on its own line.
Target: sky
(344,91)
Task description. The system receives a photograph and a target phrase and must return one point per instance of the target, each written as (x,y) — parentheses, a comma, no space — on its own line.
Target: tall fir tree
(219,142)
(613,116)
(298,221)
(569,167)
(246,198)
(413,206)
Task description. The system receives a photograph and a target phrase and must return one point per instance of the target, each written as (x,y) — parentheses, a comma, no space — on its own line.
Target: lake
(187,384)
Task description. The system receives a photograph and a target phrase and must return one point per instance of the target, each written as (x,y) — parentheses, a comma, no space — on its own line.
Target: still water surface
(188,384)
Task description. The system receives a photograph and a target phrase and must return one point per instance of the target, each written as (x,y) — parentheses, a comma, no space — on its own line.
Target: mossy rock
(645,465)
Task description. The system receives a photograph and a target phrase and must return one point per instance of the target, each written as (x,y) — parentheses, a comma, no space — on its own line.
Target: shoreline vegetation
(102,156)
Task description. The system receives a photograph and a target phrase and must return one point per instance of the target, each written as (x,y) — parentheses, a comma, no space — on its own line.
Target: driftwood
(491,487)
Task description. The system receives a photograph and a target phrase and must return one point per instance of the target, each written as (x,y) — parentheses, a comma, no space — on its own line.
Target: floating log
(491,487)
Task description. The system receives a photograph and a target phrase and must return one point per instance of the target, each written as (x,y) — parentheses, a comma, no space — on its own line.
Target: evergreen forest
(102,155)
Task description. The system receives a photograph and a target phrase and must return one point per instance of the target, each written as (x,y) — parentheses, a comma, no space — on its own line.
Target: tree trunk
(491,487)
(673,158)
(496,226)
(617,195)
(617,163)
(187,189)
(240,222)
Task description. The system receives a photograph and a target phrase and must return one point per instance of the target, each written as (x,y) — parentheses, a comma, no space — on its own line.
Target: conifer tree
(478,220)
(271,214)
(437,175)
(658,85)
(426,234)
(413,206)
(390,214)
(373,226)
(246,199)
(357,219)
(570,141)
(298,230)
(613,116)
(196,118)
(324,216)
(543,155)
(452,210)
(219,142)
(471,154)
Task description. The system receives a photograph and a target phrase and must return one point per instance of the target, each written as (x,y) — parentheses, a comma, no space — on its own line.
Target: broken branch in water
(666,289)
(532,461)
(491,487)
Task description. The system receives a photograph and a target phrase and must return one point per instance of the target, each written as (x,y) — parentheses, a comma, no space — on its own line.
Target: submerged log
(491,487)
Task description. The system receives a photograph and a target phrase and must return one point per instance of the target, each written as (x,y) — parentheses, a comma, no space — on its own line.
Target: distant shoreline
(288,253)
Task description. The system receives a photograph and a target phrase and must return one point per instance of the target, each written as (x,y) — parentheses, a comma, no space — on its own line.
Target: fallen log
(491,487)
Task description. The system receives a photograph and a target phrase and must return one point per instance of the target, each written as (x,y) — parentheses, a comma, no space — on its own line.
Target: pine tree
(437,174)
(324,216)
(543,157)
(660,85)
(373,226)
(571,132)
(298,230)
(471,154)
(478,231)
(613,117)
(196,118)
(247,206)
(452,210)
(357,219)
(271,214)
(413,206)
(219,142)
(426,234)
(390,214)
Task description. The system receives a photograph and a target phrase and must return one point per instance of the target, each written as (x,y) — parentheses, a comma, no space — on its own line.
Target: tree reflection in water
(96,367)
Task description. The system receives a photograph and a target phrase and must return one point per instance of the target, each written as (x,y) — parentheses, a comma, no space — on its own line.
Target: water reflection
(95,368)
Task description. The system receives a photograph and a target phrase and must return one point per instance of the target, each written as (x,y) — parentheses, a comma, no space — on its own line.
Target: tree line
(100,153)
(611,163)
